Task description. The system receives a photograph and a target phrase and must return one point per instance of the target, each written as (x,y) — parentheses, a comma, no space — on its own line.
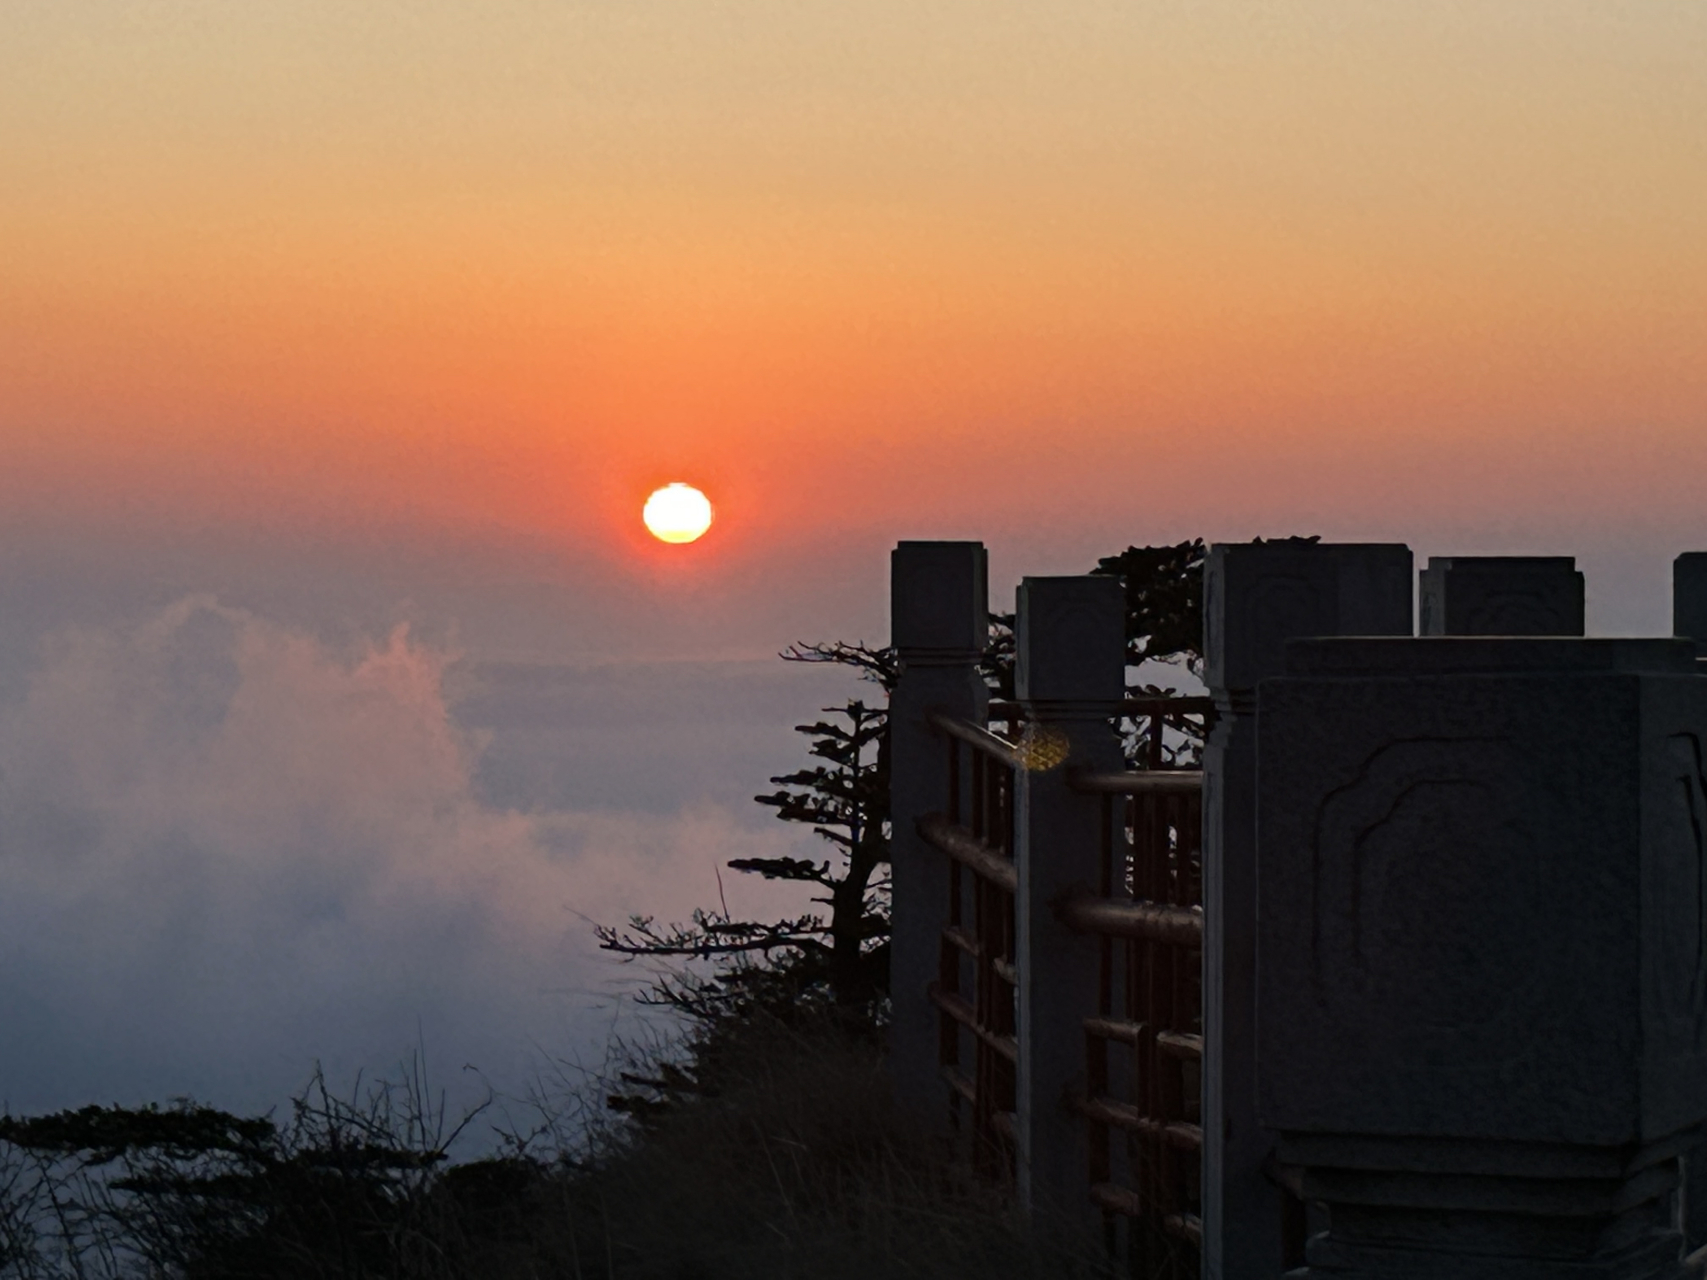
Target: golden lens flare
(677,513)
(1042,747)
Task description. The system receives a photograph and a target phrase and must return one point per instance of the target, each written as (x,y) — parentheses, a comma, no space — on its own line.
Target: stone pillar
(1689,620)
(1483,952)
(1689,597)
(939,625)
(1257,596)
(1501,596)
(1070,639)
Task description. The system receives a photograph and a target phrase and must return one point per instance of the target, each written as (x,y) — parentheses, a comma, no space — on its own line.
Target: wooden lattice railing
(976,977)
(1143,1022)
(1144,1037)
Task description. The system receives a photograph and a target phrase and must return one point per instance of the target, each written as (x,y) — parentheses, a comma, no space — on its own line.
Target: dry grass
(799,1165)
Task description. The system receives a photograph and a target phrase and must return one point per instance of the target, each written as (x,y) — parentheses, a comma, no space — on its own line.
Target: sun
(677,513)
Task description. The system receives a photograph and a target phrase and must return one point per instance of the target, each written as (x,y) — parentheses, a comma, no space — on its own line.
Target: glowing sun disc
(677,513)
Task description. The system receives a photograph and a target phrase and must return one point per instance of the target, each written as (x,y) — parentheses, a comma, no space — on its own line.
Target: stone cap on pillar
(1259,595)
(939,600)
(1502,596)
(1689,596)
(1070,640)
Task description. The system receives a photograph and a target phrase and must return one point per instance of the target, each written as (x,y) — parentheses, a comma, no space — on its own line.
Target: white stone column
(1070,638)
(939,625)
(1257,596)
(1483,979)
(1501,596)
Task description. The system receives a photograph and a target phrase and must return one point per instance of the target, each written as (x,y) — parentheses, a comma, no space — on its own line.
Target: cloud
(228,849)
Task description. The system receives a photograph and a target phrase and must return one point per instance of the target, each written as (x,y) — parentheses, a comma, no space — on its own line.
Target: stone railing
(1423,946)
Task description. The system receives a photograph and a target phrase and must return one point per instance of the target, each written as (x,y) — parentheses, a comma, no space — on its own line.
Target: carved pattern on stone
(1683,914)
(1391,928)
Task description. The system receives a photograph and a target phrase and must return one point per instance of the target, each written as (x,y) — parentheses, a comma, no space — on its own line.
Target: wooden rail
(967,1016)
(1143,782)
(1182,1226)
(1123,1115)
(1126,708)
(1145,921)
(978,738)
(984,859)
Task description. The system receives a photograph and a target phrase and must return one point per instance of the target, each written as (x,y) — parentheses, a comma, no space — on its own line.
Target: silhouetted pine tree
(835,956)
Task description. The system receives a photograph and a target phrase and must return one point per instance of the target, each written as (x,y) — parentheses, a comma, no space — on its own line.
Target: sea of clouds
(231,848)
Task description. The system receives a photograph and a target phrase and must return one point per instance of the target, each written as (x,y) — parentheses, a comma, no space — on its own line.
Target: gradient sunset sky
(340,344)
(445,274)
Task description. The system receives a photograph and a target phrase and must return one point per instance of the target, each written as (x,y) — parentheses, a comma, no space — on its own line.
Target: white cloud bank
(227,850)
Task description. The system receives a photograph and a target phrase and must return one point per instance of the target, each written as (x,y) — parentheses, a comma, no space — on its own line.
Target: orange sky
(442,270)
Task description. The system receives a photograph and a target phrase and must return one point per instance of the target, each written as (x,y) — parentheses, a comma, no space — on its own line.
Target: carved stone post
(1258,596)
(1501,596)
(1483,951)
(1689,597)
(1070,674)
(939,625)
